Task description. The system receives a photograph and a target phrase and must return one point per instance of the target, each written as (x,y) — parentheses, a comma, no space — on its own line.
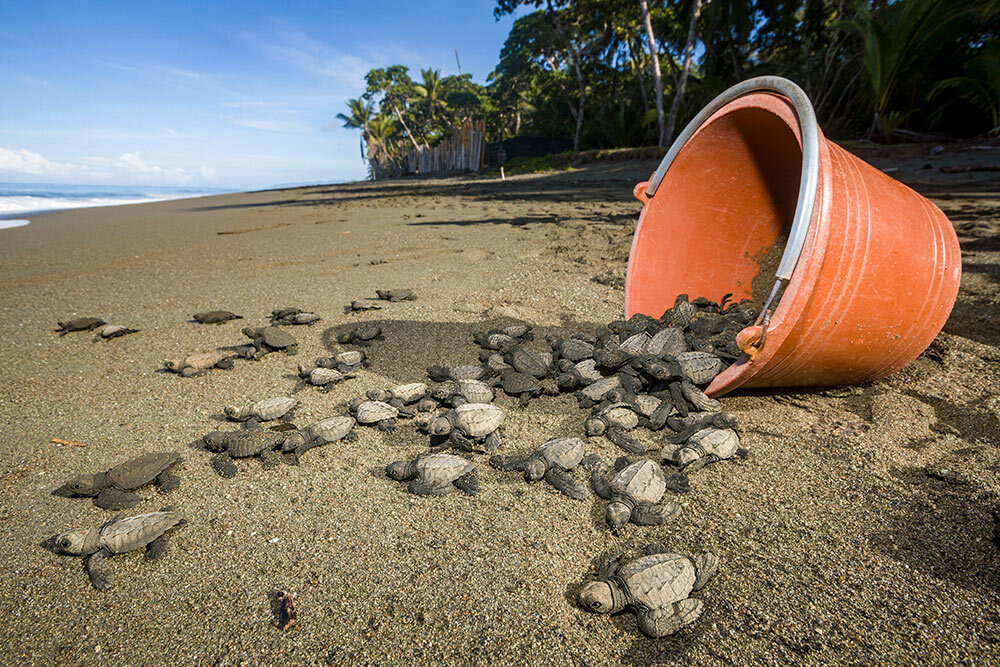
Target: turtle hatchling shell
(700,367)
(515,383)
(478,420)
(371,412)
(588,371)
(575,349)
(621,415)
(243,444)
(331,428)
(134,532)
(643,481)
(324,376)
(442,468)
(658,581)
(277,338)
(668,341)
(466,372)
(273,408)
(562,452)
(723,442)
(598,390)
(410,393)
(475,391)
(647,404)
(635,344)
(530,362)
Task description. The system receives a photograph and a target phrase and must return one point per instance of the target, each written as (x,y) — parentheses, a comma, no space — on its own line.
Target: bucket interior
(721,214)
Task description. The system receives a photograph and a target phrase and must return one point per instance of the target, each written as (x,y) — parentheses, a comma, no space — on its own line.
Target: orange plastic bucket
(870,271)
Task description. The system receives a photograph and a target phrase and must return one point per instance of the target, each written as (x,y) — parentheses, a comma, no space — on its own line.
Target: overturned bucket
(870,269)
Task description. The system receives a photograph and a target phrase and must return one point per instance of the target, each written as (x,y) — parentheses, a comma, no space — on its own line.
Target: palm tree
(361,115)
(430,94)
(380,146)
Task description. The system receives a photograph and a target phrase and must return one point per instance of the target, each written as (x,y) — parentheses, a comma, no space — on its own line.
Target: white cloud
(16,164)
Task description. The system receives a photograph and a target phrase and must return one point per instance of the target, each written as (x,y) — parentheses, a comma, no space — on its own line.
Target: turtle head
(71,543)
(398,470)
(251,332)
(534,469)
(441,426)
(173,364)
(353,406)
(597,597)
(617,514)
(595,426)
(686,455)
(235,412)
(84,485)
(215,441)
(379,394)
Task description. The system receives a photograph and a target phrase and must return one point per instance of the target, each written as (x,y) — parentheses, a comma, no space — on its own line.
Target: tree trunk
(637,68)
(688,48)
(575,56)
(655,67)
(400,117)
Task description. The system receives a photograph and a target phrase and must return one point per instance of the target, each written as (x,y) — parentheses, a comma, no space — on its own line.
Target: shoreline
(859,528)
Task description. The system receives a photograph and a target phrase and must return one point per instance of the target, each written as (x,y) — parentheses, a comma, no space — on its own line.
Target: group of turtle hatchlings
(641,373)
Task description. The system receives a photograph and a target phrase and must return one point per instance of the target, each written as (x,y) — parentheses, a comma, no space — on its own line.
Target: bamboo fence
(464,150)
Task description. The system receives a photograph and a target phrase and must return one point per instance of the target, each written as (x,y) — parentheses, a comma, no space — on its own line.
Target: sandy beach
(857,530)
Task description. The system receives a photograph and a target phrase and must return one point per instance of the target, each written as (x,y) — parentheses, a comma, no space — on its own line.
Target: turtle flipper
(624,440)
(656,548)
(270,459)
(565,483)
(705,565)
(678,482)
(508,463)
(493,441)
(663,622)
(100,576)
(598,478)
(115,499)
(224,465)
(226,364)
(167,481)
(156,548)
(700,463)
(422,488)
(468,483)
(648,514)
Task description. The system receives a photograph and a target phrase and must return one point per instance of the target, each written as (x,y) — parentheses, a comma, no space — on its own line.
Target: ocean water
(19,201)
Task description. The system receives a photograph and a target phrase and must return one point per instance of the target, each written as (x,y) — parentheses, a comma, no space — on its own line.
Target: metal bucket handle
(809,130)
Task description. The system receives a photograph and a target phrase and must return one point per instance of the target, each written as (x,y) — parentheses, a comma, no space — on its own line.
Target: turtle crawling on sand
(634,492)
(118,536)
(269,409)
(79,324)
(326,378)
(706,446)
(198,363)
(361,335)
(468,424)
(113,331)
(656,586)
(552,461)
(345,362)
(110,488)
(270,339)
(215,317)
(319,433)
(401,395)
(381,415)
(435,474)
(394,295)
(362,304)
(293,316)
(243,444)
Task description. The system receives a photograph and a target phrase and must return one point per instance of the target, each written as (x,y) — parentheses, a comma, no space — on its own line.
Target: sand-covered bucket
(869,269)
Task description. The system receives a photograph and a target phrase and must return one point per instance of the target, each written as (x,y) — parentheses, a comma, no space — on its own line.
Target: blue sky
(214,94)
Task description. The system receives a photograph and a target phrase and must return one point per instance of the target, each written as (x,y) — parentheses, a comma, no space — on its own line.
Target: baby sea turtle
(363,304)
(700,367)
(400,396)
(381,415)
(118,536)
(320,377)
(530,362)
(293,316)
(435,474)
(113,331)
(345,362)
(319,433)
(580,374)
(196,364)
(396,295)
(613,421)
(110,488)
(470,423)
(269,409)
(706,446)
(519,331)
(461,372)
(494,340)
(79,324)
(521,385)
(216,317)
(242,444)
(459,392)
(595,392)
(656,586)
(270,339)
(573,349)
(686,426)
(668,341)
(361,335)
(633,491)
(553,461)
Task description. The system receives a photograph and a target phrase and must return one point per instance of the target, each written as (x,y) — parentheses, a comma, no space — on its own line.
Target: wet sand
(858,529)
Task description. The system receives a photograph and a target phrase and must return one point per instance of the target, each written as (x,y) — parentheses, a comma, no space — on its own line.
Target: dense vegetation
(582,70)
